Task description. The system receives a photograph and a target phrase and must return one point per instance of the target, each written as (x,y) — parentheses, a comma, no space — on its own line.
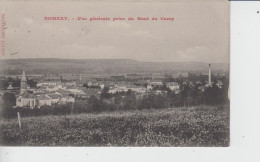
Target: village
(51,90)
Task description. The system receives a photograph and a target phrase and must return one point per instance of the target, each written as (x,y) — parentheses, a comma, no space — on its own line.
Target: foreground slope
(194,126)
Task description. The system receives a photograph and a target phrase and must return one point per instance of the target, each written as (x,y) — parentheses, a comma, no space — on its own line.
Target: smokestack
(209,76)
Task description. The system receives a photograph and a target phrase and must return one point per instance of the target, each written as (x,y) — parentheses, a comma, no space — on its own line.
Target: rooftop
(29,96)
(43,97)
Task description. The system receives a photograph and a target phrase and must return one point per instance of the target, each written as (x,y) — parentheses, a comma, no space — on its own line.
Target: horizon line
(119,59)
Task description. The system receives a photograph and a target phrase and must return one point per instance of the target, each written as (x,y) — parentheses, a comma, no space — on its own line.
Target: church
(24,85)
(25,99)
(32,100)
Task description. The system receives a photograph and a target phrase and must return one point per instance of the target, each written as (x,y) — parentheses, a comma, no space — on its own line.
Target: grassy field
(194,126)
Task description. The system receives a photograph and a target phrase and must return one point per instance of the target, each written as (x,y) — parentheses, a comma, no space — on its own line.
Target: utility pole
(209,76)
(19,120)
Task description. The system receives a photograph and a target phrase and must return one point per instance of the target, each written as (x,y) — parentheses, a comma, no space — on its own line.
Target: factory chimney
(209,76)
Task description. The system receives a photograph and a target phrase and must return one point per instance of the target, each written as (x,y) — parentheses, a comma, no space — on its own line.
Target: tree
(159,101)
(224,90)
(118,101)
(31,83)
(16,82)
(213,95)
(164,87)
(85,85)
(7,107)
(203,82)
(130,102)
(3,84)
(105,93)
(145,103)
(9,99)
(129,92)
(96,104)
(145,85)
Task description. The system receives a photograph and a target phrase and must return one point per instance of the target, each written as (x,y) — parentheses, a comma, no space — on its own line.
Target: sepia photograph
(115,74)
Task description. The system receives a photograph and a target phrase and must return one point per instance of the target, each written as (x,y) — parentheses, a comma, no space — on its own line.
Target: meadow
(192,126)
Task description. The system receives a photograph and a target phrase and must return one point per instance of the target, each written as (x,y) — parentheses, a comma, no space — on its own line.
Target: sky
(199,32)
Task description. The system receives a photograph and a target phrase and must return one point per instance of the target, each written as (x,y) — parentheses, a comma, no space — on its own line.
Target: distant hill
(102,66)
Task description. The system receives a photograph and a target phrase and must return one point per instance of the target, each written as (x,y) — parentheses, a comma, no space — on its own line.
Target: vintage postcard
(115,73)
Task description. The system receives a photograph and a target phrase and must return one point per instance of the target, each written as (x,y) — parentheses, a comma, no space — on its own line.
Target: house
(76,90)
(173,86)
(149,87)
(62,91)
(48,83)
(202,88)
(53,88)
(67,99)
(192,84)
(43,100)
(72,83)
(156,83)
(55,97)
(120,83)
(113,90)
(134,88)
(160,92)
(92,92)
(10,87)
(125,88)
(219,84)
(102,86)
(177,91)
(26,100)
(209,85)
(93,83)
(198,82)
(89,83)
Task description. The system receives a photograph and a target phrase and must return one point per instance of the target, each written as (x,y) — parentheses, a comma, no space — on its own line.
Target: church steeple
(23,77)
(24,85)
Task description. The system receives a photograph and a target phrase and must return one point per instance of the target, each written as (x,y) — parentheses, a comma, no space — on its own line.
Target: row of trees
(15,82)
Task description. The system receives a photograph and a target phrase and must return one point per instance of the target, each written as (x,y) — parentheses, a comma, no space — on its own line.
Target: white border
(245,111)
